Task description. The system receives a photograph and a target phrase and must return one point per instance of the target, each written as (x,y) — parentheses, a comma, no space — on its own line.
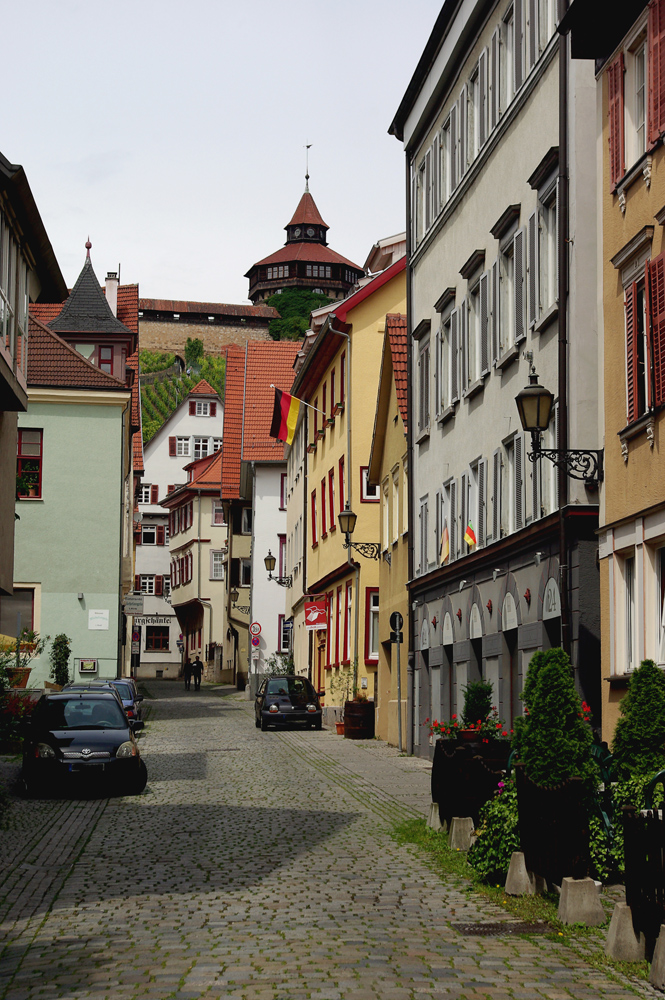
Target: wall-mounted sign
(508,613)
(132,604)
(316,615)
(447,630)
(255,628)
(256,641)
(98,620)
(153,619)
(88,666)
(475,623)
(551,600)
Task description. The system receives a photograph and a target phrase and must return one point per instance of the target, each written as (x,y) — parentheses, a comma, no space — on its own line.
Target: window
(216,565)
(629,585)
(324,405)
(341,483)
(371,625)
(447,553)
(218,512)
(331,499)
(333,401)
(315,539)
(342,377)
(29,463)
(423,387)
(347,622)
(444,162)
(282,491)
(475,330)
(660,607)
(447,355)
(201,447)
(106,359)
(216,444)
(245,572)
(202,409)
(167,587)
(385,515)
(395,518)
(284,631)
(316,417)
(156,638)
(147,583)
(182,447)
(542,250)
(645,341)
(143,493)
(514,485)
(148,534)
(246,521)
(324,516)
(405,496)
(20,603)
(423,534)
(281,562)
(368,493)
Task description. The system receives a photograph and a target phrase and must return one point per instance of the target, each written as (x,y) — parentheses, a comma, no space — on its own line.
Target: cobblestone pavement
(257,866)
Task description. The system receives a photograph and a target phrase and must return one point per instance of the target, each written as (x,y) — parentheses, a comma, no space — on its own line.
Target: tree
(639,738)
(294,306)
(193,351)
(59,656)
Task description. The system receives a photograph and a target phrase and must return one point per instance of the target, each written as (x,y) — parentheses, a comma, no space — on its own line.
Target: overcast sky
(173,133)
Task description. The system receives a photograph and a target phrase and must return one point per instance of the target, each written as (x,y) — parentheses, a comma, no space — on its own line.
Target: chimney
(112,291)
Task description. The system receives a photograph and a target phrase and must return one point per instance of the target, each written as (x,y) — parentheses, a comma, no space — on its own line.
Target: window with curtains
(331,499)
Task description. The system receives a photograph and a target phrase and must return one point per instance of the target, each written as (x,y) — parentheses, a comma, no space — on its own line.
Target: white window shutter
(482,493)
(532,268)
(519,263)
(483,295)
(413,206)
(437,371)
(461,114)
(496,497)
(452,518)
(428,189)
(518,45)
(482,97)
(464,341)
(496,299)
(556,242)
(454,351)
(535,489)
(519,482)
(436,176)
(464,496)
(533,32)
(454,148)
(494,110)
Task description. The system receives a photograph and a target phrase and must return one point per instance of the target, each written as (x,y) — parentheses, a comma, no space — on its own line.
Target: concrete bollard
(579,903)
(433,819)
(518,882)
(461,834)
(657,971)
(622,943)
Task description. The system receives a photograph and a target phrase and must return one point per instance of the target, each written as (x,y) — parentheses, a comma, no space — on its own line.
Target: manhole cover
(500,927)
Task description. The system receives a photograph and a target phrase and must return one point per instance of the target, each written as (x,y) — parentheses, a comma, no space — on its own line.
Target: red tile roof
(206,308)
(53,363)
(307,214)
(314,252)
(206,475)
(204,388)
(396,327)
(249,398)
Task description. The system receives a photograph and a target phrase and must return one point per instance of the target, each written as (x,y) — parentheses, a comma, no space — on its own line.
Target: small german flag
(284,416)
(470,535)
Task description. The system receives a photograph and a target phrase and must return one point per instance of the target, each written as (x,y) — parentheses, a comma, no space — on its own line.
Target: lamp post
(283,581)
(242,608)
(347,523)
(534,404)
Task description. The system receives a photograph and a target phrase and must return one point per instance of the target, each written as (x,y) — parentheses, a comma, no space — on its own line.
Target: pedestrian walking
(187,670)
(197,671)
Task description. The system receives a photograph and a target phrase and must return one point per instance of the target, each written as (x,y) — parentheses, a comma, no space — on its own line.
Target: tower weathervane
(307,149)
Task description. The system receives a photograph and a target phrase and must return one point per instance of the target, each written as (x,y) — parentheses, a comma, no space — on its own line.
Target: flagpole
(302,401)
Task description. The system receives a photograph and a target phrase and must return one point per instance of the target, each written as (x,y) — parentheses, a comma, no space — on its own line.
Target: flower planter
(339,726)
(359,720)
(465,775)
(18,676)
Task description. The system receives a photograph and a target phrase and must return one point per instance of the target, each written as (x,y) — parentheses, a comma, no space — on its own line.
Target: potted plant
(359,717)
(59,656)
(340,687)
(15,657)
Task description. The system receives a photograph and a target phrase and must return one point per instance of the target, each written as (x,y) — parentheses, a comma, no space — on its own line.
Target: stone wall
(158,335)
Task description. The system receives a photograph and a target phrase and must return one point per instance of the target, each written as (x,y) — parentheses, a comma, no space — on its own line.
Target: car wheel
(139,780)
(264,725)
(257,723)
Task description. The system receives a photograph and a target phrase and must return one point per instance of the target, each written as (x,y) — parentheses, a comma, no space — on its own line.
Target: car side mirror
(139,697)
(136,725)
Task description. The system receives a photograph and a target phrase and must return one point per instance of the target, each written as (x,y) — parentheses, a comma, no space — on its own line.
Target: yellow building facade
(388,471)
(338,377)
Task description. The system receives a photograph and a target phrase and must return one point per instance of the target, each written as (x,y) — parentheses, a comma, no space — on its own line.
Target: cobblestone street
(255,865)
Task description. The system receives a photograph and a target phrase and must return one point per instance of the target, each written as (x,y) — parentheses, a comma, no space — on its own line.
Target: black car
(281,701)
(78,737)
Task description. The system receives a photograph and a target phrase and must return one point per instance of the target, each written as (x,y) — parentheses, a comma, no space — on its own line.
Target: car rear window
(124,691)
(79,713)
(287,685)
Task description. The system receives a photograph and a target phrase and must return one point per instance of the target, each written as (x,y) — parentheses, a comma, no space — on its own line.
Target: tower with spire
(305,261)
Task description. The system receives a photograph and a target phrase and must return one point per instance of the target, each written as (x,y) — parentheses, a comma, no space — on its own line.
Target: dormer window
(202,409)
(106,359)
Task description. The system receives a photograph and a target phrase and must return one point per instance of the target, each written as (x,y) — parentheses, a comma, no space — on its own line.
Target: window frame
(25,457)
(365,487)
(372,610)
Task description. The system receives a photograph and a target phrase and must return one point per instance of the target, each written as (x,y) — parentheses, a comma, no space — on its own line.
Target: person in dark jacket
(187,671)
(197,672)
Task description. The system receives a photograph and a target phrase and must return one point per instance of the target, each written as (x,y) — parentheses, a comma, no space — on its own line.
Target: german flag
(284,416)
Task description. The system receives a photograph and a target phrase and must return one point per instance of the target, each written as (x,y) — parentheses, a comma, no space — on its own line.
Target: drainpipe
(204,604)
(130,540)
(563,262)
(411,469)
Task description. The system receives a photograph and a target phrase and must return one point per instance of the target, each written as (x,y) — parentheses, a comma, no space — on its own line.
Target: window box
(339,408)
(423,436)
(330,421)
(320,433)
(645,425)
(311,447)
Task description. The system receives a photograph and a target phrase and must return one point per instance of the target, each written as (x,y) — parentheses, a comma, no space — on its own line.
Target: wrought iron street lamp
(234,594)
(283,581)
(534,404)
(347,523)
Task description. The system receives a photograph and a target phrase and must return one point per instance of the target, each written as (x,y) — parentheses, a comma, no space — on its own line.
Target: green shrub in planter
(498,834)
(478,697)
(59,656)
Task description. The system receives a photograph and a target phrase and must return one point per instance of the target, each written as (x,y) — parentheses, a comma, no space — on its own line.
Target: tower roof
(86,310)
(306,214)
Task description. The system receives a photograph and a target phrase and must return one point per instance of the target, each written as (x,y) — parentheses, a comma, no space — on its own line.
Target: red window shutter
(213,409)
(631,352)
(170,489)
(656,70)
(657,339)
(615,113)
(171,446)
(154,494)
(137,535)
(192,407)
(159,586)
(137,583)
(160,534)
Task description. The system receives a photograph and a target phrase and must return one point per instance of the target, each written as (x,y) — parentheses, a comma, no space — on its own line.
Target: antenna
(307,149)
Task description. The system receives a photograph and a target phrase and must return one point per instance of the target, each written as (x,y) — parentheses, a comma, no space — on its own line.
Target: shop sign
(153,620)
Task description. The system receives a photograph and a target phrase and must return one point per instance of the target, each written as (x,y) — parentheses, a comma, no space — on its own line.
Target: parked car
(75,737)
(282,701)
(131,699)
(124,691)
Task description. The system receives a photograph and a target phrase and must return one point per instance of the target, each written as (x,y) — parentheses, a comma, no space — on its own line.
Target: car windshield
(77,713)
(287,685)
(124,691)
